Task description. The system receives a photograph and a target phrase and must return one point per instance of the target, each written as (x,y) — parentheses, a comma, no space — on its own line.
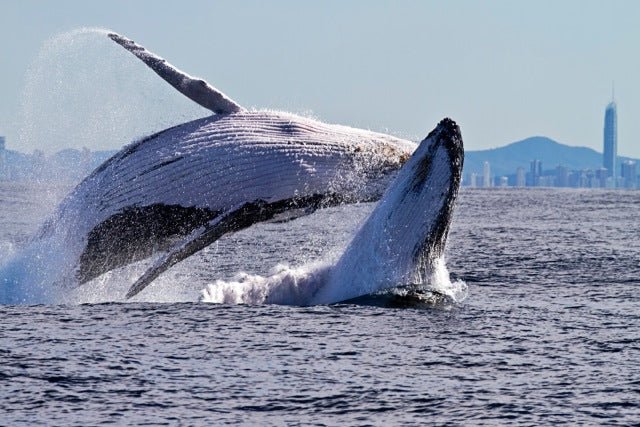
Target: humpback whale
(175,192)
(178,190)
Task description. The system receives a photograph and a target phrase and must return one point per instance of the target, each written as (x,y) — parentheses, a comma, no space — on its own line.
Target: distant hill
(505,160)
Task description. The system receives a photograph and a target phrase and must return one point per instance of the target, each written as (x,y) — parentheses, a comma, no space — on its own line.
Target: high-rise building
(535,172)
(486,175)
(610,140)
(520,177)
(562,176)
(473,180)
(629,174)
(602,179)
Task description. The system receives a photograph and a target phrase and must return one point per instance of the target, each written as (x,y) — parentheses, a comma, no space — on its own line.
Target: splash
(82,90)
(286,286)
(27,277)
(7,251)
(298,286)
(440,281)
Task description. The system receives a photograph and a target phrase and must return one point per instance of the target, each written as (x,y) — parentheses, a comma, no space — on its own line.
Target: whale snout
(451,137)
(448,134)
(445,139)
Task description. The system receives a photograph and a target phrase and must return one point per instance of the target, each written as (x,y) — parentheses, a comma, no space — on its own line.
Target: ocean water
(549,332)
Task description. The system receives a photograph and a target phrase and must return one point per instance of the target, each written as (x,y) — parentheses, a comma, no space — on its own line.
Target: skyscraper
(486,175)
(629,174)
(535,173)
(520,177)
(610,140)
(562,176)
(473,180)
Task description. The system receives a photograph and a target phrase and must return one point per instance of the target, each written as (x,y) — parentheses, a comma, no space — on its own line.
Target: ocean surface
(549,332)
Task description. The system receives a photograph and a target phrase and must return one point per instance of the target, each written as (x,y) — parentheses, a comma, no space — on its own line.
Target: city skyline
(71,165)
(503,71)
(607,176)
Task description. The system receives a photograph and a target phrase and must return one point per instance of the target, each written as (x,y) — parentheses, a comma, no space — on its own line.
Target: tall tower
(520,177)
(486,175)
(610,139)
(536,172)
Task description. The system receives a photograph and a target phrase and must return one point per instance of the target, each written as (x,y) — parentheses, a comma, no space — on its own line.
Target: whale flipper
(235,219)
(194,242)
(193,88)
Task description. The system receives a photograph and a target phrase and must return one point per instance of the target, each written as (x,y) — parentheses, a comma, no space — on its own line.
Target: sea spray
(34,275)
(297,286)
(440,281)
(82,90)
(7,250)
(286,285)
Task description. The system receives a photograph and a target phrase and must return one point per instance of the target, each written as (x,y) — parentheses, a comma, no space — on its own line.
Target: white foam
(286,285)
(297,286)
(439,280)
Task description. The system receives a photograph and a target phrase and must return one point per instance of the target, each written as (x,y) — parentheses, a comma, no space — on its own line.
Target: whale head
(403,240)
(418,207)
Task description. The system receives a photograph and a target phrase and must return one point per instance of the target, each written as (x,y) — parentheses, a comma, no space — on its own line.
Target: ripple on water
(547,335)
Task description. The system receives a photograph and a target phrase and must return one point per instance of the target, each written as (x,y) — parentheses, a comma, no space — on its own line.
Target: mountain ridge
(506,159)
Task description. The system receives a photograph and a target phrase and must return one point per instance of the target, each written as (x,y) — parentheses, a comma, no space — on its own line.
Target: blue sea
(549,332)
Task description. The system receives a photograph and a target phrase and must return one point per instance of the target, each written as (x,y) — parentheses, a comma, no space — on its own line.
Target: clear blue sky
(505,70)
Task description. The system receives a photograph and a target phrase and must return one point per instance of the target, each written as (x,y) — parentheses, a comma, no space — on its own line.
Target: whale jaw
(405,236)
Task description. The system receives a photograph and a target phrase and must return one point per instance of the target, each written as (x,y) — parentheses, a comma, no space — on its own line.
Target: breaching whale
(177,191)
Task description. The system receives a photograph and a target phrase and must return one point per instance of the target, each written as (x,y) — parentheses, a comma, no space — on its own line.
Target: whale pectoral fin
(233,220)
(193,88)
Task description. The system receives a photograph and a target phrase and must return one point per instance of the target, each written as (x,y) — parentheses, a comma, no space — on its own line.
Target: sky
(504,70)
